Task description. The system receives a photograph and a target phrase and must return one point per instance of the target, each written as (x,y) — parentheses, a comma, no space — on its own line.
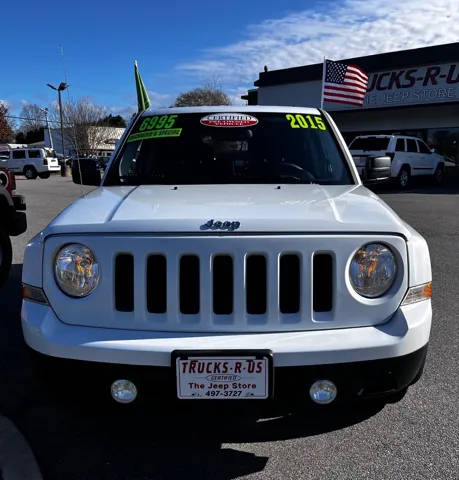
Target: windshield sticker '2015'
(167,132)
(308,121)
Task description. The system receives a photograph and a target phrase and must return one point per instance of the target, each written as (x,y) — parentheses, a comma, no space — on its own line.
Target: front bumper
(406,332)
(384,378)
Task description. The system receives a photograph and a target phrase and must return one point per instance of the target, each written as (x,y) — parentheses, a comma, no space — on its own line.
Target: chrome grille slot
(322,281)
(289,283)
(189,284)
(156,284)
(256,284)
(124,282)
(222,281)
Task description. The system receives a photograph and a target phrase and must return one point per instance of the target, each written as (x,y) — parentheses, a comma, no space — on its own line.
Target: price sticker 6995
(158,122)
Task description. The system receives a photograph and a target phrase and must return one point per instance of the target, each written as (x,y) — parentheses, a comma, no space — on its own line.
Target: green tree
(113,121)
(6,133)
(210,94)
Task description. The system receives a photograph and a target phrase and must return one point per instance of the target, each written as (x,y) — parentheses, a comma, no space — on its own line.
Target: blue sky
(181,44)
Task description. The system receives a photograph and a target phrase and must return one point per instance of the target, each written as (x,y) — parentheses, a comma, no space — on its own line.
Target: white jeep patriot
(234,250)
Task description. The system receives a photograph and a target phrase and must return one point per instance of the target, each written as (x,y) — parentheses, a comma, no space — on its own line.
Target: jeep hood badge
(218,225)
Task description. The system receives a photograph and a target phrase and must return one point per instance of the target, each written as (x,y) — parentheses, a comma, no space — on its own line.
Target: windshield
(369,143)
(230,148)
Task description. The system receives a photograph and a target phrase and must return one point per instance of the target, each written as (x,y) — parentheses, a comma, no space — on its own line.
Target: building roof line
(415,57)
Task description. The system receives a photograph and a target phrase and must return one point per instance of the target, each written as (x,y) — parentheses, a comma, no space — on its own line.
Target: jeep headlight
(372,270)
(76,270)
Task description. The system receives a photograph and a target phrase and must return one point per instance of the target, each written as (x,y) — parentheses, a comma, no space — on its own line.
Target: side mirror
(432,150)
(90,173)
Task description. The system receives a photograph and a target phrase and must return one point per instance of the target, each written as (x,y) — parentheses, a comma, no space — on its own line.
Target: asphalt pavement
(74,438)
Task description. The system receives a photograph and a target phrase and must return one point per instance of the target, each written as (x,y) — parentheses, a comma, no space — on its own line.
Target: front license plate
(223,377)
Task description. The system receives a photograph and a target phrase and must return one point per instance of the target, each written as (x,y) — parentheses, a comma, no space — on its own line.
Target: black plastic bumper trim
(355,380)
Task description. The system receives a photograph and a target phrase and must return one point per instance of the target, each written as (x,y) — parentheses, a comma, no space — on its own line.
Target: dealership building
(412,92)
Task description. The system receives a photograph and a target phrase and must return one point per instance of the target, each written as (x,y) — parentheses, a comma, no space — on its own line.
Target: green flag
(142,96)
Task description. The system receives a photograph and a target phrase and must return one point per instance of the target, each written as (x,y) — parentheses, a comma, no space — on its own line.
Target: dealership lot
(414,439)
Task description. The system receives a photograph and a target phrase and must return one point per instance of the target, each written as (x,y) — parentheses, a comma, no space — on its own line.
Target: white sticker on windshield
(229,120)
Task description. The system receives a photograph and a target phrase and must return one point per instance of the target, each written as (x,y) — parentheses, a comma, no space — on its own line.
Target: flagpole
(323,82)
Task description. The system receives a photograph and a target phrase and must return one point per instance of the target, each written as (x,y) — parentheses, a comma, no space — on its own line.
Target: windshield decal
(301,121)
(158,122)
(168,132)
(158,126)
(229,120)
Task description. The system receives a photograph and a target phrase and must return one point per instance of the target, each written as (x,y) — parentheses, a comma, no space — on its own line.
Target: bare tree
(86,128)
(32,118)
(210,93)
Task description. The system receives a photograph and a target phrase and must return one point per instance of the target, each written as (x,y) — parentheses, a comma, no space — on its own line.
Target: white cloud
(159,100)
(344,29)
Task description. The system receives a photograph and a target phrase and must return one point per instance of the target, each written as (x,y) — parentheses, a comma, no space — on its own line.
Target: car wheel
(30,173)
(439,175)
(44,175)
(6,256)
(403,178)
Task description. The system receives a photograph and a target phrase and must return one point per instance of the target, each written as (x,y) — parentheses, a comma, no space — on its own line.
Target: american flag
(344,83)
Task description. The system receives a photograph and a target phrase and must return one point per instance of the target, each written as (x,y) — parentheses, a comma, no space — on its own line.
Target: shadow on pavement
(75,438)
(72,441)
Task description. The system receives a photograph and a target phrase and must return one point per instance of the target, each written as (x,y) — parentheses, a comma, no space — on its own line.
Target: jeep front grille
(224,283)
(285,281)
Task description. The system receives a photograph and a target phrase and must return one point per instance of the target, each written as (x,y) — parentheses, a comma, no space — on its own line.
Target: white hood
(258,209)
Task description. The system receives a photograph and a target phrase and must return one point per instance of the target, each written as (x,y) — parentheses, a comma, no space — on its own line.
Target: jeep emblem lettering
(211,225)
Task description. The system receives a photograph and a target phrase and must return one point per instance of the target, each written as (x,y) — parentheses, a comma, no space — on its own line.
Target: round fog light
(123,391)
(323,392)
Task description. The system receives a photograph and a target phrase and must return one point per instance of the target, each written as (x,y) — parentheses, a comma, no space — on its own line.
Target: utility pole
(45,111)
(62,86)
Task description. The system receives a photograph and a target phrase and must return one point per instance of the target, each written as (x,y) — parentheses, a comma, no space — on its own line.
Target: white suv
(31,162)
(230,253)
(379,157)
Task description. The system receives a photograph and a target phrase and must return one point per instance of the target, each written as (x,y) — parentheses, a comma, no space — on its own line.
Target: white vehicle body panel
(259,208)
(406,332)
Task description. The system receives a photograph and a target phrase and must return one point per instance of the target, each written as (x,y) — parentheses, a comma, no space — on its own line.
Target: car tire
(6,256)
(439,175)
(30,173)
(403,177)
(44,175)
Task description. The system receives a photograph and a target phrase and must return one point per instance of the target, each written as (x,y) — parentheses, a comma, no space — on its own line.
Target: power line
(37,119)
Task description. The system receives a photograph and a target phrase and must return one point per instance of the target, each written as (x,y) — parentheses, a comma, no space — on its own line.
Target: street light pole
(62,86)
(62,123)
